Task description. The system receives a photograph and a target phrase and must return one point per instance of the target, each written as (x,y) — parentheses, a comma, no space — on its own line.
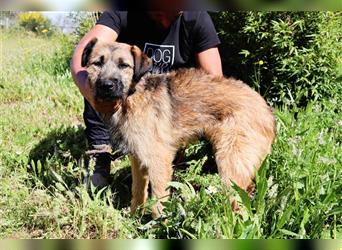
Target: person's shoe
(100,177)
(99,181)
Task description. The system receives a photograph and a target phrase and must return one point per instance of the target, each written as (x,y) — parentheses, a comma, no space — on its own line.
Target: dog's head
(113,69)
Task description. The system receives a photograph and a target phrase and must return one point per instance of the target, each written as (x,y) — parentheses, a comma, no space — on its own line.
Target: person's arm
(79,73)
(206,43)
(210,61)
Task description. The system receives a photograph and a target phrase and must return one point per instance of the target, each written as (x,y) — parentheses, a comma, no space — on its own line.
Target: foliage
(290,57)
(35,22)
(86,21)
(60,61)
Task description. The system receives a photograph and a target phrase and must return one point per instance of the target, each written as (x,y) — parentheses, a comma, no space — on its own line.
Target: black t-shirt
(192,32)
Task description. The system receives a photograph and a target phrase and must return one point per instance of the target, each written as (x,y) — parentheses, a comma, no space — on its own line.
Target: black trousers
(97,134)
(96,131)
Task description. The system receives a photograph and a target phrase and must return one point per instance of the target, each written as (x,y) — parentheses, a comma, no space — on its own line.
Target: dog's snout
(109,88)
(111,84)
(108,84)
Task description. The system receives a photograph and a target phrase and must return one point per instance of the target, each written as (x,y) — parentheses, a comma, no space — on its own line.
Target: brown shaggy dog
(151,116)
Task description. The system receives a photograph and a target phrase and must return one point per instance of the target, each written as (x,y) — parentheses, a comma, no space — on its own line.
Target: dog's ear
(87,51)
(142,63)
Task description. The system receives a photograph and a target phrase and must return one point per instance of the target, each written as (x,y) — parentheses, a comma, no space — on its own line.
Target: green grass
(299,188)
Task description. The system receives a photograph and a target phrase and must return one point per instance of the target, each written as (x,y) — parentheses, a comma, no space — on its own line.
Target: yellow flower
(44,30)
(261,62)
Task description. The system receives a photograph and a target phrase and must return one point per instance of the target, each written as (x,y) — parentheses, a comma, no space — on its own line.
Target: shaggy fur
(156,114)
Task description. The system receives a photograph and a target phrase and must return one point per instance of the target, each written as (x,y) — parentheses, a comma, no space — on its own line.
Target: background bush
(35,22)
(290,57)
(86,21)
(60,61)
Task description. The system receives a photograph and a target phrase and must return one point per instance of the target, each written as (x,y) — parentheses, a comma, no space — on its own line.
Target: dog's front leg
(139,183)
(160,175)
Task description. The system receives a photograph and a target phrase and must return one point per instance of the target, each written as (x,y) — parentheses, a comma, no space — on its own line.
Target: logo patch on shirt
(163,57)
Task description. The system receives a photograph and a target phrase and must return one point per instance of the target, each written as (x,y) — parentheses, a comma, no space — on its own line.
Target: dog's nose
(109,88)
(108,84)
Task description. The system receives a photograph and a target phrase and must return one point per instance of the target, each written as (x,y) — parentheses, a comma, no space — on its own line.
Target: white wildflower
(333,101)
(270,181)
(273,191)
(211,190)
(296,151)
(326,160)
(320,138)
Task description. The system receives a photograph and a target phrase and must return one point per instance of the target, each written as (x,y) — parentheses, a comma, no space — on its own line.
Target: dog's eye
(123,65)
(99,62)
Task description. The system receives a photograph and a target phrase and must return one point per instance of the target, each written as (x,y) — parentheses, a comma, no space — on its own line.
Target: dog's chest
(128,132)
(116,134)
(140,128)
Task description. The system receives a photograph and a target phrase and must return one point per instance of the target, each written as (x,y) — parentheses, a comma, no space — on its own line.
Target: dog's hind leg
(238,153)
(139,184)
(235,162)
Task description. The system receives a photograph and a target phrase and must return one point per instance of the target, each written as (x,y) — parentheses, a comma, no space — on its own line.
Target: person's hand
(81,78)
(88,93)
(106,107)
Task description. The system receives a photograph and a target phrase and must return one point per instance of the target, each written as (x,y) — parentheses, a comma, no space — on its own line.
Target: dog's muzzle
(109,89)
